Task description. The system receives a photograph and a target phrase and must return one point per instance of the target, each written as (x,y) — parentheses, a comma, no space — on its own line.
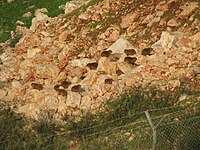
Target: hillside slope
(75,62)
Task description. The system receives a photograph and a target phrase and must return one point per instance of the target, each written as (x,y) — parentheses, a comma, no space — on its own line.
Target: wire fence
(166,129)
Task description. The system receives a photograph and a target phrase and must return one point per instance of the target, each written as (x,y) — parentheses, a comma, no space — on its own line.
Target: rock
(65,52)
(74,99)
(148,19)
(103,64)
(41,10)
(174,84)
(183,41)
(172,61)
(120,45)
(86,102)
(27,14)
(183,97)
(3,93)
(159,13)
(173,23)
(69,7)
(125,67)
(82,62)
(129,19)
(111,34)
(153,21)
(114,35)
(166,40)
(10,1)
(61,7)
(84,16)
(188,9)
(46,71)
(31,110)
(40,16)
(90,79)
(32,52)
(19,22)
(196,37)
(72,5)
(63,36)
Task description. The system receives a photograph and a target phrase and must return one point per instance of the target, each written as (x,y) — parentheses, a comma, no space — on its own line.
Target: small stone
(3,93)
(129,19)
(19,22)
(167,39)
(173,23)
(27,14)
(32,52)
(10,1)
(188,10)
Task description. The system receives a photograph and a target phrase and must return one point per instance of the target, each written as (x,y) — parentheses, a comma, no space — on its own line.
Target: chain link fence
(173,128)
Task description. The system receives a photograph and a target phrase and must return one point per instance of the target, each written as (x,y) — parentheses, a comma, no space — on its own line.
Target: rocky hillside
(75,62)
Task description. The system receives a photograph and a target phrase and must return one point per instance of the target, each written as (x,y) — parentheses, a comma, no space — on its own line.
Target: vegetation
(122,125)
(11,12)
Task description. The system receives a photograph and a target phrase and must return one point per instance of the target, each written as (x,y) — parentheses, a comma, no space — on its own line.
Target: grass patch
(122,125)
(11,12)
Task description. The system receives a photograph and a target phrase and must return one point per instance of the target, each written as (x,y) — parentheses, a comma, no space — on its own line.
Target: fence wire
(179,130)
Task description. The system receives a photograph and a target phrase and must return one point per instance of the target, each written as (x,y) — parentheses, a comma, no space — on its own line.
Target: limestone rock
(188,9)
(129,19)
(27,14)
(173,23)
(167,40)
(32,52)
(40,16)
(3,93)
(10,1)
(69,7)
(120,45)
(19,22)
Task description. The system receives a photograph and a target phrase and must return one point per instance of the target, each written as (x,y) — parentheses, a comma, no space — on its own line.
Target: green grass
(11,12)
(122,125)
(16,133)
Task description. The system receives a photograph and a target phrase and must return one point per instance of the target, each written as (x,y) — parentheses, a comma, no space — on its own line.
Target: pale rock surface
(32,52)
(129,19)
(188,9)
(10,1)
(167,40)
(120,45)
(173,23)
(27,14)
(19,22)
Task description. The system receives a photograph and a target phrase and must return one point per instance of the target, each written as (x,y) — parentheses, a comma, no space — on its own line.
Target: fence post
(153,127)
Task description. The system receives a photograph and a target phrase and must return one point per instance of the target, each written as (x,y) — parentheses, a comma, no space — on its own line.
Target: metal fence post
(153,127)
